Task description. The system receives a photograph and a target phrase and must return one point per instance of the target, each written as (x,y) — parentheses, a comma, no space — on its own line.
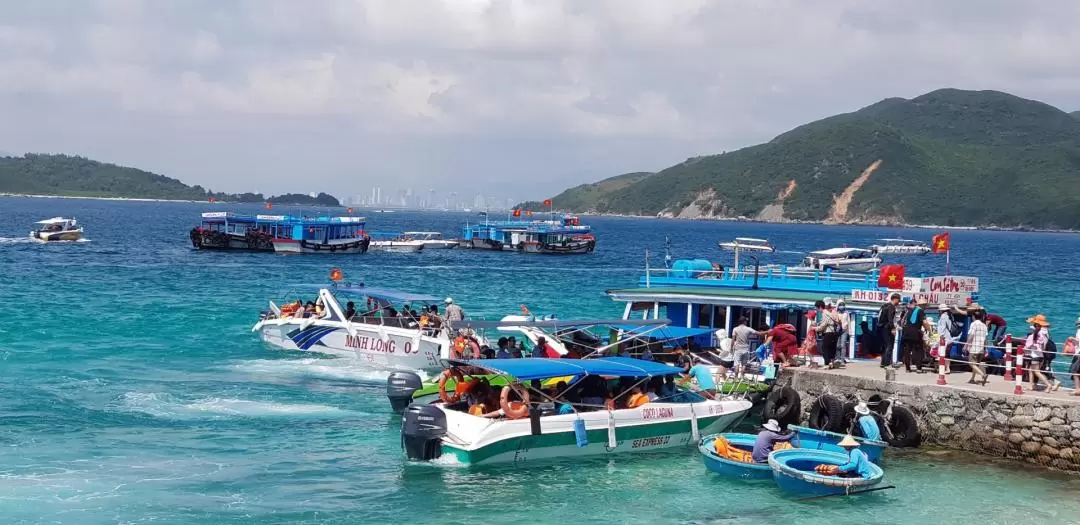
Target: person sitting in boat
(309,309)
(704,378)
(655,389)
(350,310)
(637,397)
(770,435)
(867,424)
(858,463)
(683,360)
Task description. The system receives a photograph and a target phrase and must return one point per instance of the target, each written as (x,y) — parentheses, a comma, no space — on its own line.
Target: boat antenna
(667,252)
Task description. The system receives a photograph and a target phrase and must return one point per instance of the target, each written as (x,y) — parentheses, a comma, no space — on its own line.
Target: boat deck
(996,386)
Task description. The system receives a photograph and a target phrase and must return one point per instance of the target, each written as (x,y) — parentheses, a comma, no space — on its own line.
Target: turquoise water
(134,391)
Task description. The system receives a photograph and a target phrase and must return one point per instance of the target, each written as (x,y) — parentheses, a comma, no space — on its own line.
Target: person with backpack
(829,328)
(1034,350)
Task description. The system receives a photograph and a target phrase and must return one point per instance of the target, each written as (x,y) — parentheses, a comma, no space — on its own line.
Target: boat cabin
(56,224)
(239,225)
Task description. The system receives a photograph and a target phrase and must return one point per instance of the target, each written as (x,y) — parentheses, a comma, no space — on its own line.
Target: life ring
(450,399)
(516,409)
(475,348)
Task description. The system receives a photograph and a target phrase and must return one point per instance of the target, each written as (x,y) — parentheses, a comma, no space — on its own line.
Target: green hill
(588,196)
(37,174)
(949,157)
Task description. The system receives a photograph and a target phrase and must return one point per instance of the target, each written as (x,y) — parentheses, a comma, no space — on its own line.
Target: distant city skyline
(429,199)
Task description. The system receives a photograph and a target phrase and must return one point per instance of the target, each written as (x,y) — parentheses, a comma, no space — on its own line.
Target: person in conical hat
(858,462)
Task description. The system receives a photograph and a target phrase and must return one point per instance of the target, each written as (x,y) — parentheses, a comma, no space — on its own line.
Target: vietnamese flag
(547,202)
(941,243)
(517,213)
(891,276)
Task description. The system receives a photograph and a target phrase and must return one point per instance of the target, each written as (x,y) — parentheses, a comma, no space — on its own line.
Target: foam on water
(341,369)
(167,406)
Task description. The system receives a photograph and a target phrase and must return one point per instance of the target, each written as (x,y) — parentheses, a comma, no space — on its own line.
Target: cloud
(465,94)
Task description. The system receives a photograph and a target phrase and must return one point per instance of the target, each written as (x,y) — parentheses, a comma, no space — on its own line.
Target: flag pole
(947,259)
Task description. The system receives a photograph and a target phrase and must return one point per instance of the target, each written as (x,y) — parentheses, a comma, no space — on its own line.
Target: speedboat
(57,229)
(398,246)
(432,240)
(377,338)
(900,247)
(842,259)
(528,431)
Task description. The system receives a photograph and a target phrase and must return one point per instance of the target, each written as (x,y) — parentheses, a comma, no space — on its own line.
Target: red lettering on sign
(657,413)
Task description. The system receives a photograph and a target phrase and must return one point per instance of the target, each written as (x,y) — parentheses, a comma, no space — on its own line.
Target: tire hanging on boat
(784,405)
(827,414)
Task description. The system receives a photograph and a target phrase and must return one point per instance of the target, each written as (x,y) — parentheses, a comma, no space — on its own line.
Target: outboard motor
(400,387)
(422,429)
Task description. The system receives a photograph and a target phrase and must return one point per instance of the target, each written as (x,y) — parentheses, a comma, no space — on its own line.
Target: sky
(515,99)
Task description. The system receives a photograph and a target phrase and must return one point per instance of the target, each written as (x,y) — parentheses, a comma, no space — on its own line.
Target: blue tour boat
(813,439)
(281,233)
(731,467)
(565,235)
(794,472)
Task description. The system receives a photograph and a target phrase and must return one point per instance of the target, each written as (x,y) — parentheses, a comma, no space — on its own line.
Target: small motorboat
(432,240)
(732,457)
(57,229)
(813,439)
(795,471)
(842,259)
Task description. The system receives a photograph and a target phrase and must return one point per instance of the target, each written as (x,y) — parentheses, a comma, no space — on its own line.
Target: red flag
(891,276)
(517,213)
(941,243)
(528,213)
(547,202)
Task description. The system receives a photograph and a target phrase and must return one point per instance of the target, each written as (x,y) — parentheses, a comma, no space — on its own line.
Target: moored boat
(747,244)
(57,229)
(432,240)
(900,247)
(222,230)
(396,244)
(558,237)
(377,337)
(735,465)
(842,259)
(526,432)
(810,438)
(333,235)
(794,471)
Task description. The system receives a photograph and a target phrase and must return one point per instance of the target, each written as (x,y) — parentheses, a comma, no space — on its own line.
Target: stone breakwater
(1036,430)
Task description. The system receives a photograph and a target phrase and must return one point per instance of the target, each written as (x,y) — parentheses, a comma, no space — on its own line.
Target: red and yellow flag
(941,243)
(891,276)
(547,202)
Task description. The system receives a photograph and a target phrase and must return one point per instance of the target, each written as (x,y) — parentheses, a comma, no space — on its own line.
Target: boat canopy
(529,368)
(55,220)
(666,332)
(562,323)
(386,294)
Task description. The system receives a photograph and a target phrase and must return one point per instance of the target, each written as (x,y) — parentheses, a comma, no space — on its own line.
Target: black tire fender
(784,405)
(827,413)
(904,428)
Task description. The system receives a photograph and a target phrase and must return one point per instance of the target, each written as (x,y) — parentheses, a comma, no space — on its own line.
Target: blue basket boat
(813,439)
(793,471)
(730,467)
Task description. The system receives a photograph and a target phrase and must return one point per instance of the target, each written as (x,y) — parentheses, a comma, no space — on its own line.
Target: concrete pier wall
(1034,429)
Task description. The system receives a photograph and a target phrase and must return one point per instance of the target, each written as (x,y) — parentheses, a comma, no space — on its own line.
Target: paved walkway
(956,380)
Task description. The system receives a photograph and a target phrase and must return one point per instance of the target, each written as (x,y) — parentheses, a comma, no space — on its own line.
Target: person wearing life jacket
(770,435)
(637,398)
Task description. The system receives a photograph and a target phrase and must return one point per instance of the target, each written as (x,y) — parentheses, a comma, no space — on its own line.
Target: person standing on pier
(846,332)
(976,346)
(912,335)
(1074,368)
(828,327)
(1033,350)
(886,328)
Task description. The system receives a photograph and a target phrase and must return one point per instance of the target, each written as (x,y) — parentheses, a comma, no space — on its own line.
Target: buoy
(335,274)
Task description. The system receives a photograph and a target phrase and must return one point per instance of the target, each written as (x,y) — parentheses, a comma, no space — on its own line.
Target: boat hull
(568,248)
(813,439)
(289,246)
(385,349)
(440,245)
(65,235)
(793,471)
(397,246)
(558,439)
(220,241)
(729,467)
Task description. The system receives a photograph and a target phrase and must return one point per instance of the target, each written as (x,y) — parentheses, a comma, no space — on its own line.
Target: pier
(1041,428)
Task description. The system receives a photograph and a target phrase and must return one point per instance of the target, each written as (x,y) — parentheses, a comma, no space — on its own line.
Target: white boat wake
(340,369)
(165,405)
(28,240)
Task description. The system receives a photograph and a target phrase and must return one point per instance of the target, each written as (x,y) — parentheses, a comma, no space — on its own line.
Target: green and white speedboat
(534,430)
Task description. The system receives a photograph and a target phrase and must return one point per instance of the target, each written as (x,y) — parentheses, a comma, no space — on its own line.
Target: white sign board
(912,285)
(270,217)
(941,284)
(870,296)
(214,214)
(947,298)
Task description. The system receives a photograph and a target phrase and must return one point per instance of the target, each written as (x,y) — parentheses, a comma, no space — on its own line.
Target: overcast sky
(511,98)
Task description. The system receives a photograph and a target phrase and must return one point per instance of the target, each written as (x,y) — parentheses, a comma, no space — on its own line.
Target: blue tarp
(665,333)
(527,369)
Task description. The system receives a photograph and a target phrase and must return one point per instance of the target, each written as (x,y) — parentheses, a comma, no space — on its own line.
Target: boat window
(315,233)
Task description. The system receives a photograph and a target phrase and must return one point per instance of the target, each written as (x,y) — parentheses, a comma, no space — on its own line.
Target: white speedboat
(746,244)
(397,246)
(378,337)
(57,229)
(530,429)
(842,259)
(900,247)
(432,240)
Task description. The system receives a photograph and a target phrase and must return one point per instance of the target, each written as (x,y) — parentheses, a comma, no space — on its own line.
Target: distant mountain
(37,174)
(1075,114)
(589,196)
(949,157)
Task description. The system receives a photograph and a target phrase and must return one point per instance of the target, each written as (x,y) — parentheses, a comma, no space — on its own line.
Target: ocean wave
(28,240)
(165,405)
(340,369)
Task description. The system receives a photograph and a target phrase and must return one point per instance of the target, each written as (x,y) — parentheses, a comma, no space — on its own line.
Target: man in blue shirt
(867,424)
(504,352)
(767,439)
(857,463)
(704,378)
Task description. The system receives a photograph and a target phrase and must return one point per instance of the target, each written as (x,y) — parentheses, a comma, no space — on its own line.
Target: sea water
(134,391)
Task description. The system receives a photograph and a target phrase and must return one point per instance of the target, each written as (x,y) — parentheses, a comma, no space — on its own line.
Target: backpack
(1050,350)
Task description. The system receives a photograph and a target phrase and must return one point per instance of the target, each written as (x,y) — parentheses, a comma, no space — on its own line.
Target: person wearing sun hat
(858,462)
(1033,350)
(770,435)
(867,424)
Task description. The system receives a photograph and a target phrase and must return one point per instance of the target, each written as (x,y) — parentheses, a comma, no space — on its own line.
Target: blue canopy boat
(730,467)
(565,235)
(794,471)
(810,438)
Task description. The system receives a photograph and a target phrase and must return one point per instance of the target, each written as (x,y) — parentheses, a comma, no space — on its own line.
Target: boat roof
(666,332)
(839,251)
(55,220)
(214,216)
(768,299)
(375,292)
(530,368)
(563,323)
(423,233)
